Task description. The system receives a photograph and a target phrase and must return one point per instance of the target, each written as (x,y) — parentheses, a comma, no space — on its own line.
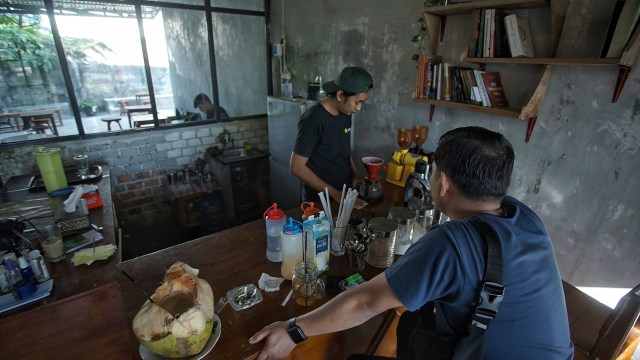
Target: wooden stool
(40,128)
(111,119)
(40,125)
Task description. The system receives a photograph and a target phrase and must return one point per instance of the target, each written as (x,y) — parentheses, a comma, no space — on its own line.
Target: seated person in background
(203,103)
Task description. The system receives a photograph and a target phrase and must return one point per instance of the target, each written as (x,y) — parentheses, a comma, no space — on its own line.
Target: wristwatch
(295,332)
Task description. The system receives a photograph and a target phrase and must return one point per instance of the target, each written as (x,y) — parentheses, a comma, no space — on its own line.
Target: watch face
(296,334)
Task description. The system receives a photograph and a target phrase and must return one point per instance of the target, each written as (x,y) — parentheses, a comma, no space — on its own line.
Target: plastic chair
(598,332)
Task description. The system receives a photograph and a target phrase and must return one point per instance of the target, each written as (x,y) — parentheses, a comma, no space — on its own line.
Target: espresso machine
(370,189)
(403,163)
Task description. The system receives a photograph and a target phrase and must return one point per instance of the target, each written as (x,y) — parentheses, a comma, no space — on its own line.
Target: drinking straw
(287,298)
(30,223)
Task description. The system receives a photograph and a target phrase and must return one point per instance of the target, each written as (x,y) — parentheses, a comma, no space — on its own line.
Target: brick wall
(139,162)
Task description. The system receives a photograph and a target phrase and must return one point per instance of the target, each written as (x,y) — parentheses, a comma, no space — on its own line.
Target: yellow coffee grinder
(404,161)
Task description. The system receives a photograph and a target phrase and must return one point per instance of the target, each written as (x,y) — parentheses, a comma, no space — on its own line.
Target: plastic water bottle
(291,247)
(39,266)
(275,220)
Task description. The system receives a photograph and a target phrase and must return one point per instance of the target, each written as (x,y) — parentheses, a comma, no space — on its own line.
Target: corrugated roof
(79,8)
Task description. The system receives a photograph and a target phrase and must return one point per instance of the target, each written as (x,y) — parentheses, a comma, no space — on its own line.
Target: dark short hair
(345,93)
(201,99)
(478,161)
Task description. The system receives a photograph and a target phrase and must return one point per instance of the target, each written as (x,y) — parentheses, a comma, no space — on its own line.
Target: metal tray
(95,174)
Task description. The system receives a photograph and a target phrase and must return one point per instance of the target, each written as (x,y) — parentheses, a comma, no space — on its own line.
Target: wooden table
(68,279)
(11,117)
(235,257)
(132,109)
(140,96)
(29,117)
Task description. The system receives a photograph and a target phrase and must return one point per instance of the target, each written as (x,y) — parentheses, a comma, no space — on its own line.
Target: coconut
(180,320)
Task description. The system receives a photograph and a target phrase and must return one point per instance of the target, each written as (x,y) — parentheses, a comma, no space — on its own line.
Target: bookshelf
(435,22)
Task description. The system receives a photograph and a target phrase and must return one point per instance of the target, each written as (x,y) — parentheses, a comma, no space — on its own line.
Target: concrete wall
(579,171)
(139,162)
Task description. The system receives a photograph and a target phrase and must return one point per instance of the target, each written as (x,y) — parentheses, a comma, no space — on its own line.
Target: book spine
(486,48)
(475,28)
(480,45)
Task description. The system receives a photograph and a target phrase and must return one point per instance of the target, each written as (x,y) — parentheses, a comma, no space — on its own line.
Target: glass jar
(306,285)
(404,236)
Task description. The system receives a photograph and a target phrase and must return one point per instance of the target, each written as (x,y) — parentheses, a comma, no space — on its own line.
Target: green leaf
(415,57)
(417,38)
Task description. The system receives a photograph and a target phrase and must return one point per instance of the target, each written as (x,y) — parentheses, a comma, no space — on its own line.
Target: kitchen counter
(83,316)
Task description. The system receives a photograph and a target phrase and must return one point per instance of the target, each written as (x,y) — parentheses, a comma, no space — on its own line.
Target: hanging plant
(420,36)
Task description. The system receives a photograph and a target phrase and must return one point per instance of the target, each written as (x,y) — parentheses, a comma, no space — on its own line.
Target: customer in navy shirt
(471,173)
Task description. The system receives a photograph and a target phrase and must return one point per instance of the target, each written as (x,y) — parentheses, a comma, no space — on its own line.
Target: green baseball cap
(352,79)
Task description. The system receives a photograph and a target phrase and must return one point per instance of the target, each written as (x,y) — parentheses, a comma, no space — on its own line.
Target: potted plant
(88,107)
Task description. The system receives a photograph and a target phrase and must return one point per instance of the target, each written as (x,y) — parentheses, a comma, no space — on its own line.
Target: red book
(493,84)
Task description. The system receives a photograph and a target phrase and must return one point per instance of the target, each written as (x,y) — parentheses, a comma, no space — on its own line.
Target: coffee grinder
(370,189)
(419,135)
(403,163)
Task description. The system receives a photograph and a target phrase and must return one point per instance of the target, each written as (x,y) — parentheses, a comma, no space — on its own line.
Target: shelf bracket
(530,126)
(623,74)
(432,108)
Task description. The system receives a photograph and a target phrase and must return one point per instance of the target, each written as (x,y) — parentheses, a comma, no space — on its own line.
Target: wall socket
(276,50)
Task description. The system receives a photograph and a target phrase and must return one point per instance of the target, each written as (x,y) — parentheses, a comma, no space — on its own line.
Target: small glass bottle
(304,284)
(39,266)
(25,268)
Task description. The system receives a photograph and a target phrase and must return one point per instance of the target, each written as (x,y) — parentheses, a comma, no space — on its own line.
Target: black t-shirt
(326,140)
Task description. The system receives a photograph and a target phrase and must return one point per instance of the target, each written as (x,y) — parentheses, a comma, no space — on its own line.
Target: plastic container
(275,221)
(404,236)
(50,166)
(291,248)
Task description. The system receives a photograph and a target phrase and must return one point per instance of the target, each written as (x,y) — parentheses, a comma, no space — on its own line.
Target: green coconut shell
(173,347)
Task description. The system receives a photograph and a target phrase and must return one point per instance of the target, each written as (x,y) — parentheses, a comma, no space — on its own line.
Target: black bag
(417,338)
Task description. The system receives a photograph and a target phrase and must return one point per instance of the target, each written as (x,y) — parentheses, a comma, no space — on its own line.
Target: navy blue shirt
(326,140)
(447,266)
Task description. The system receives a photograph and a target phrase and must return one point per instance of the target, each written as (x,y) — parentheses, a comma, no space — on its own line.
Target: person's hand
(277,343)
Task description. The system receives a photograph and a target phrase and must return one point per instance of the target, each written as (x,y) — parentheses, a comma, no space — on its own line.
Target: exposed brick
(188,151)
(174,153)
(203,132)
(152,182)
(193,142)
(163,146)
(134,186)
(172,136)
(188,134)
(179,144)
(124,178)
(126,152)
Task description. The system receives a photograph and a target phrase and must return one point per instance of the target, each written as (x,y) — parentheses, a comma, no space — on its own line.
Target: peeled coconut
(180,320)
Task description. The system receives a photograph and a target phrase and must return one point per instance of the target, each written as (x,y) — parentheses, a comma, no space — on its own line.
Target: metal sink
(241,154)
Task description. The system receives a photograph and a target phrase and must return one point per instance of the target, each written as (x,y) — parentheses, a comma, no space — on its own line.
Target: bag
(424,343)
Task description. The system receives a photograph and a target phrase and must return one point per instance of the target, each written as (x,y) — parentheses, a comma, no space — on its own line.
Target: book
(493,84)
(488,25)
(519,35)
(78,241)
(502,42)
(483,90)
(627,21)
(475,28)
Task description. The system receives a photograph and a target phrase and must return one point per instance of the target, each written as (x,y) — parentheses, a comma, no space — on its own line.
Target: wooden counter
(83,317)
(70,280)
(237,257)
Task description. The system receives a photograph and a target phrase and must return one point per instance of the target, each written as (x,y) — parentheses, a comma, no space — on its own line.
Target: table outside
(11,117)
(140,96)
(133,109)
(34,116)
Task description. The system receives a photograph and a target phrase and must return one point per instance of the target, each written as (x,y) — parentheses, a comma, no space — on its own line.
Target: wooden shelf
(508,112)
(496,4)
(545,61)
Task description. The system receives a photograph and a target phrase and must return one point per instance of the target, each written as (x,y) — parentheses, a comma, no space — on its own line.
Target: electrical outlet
(276,50)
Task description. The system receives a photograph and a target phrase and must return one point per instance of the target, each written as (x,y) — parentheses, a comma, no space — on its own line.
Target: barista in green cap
(321,157)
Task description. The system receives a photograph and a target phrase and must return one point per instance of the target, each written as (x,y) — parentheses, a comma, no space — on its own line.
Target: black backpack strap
(492,290)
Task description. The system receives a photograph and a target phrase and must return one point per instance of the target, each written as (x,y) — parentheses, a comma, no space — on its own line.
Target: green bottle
(51,170)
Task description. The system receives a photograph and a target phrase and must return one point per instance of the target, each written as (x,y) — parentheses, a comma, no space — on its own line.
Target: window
(108,69)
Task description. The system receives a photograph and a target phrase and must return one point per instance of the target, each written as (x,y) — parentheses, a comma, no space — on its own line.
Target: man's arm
(348,309)
(298,167)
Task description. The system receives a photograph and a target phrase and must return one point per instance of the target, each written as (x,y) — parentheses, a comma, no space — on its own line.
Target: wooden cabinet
(186,199)
(435,21)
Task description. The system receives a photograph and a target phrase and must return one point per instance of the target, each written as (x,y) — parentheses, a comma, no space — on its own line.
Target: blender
(370,189)
(403,163)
